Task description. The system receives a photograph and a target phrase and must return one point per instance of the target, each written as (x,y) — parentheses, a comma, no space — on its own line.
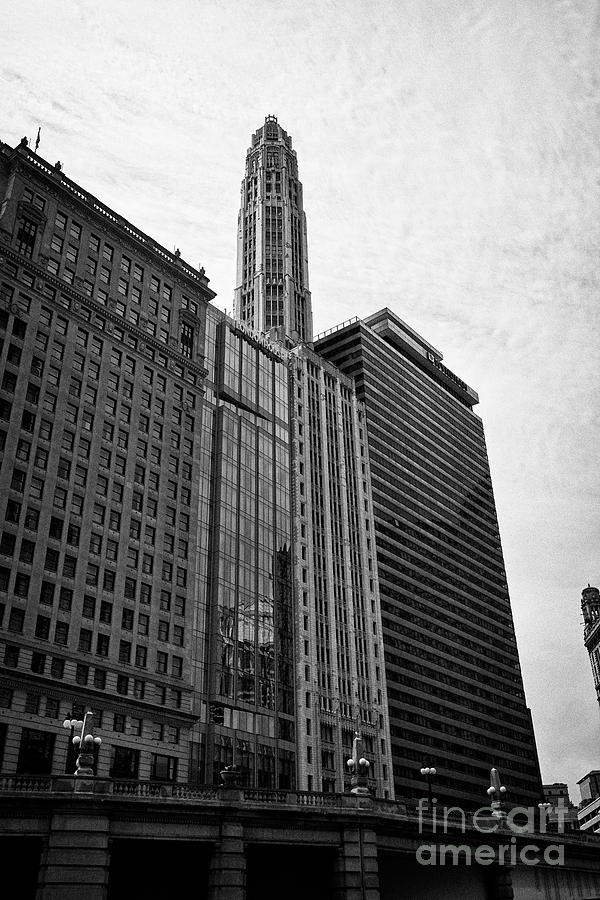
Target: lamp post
(495,792)
(359,767)
(545,810)
(84,742)
(429,772)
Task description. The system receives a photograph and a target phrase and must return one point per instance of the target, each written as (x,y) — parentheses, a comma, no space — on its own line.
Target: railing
(335,328)
(409,810)
(26,783)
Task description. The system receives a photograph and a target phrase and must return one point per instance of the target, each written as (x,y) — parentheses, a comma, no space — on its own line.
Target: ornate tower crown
(272,294)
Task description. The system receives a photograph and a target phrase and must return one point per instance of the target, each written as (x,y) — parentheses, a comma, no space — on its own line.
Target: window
(7,544)
(47,593)
(28,421)
(82,673)
(89,607)
(13,511)
(161,662)
(187,340)
(112,549)
(42,627)
(45,433)
(106,612)
(100,679)
(26,236)
(23,450)
(73,532)
(178,635)
(38,663)
(163,630)
(122,684)
(11,657)
(164,768)
(141,657)
(85,640)
(119,723)
(124,652)
(69,567)
(57,668)
(41,458)
(102,645)
(127,620)
(27,551)
(61,633)
(75,231)
(9,382)
(125,763)
(66,599)
(16,620)
(21,587)
(51,561)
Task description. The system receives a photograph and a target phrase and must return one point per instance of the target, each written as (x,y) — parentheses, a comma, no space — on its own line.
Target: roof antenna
(37,140)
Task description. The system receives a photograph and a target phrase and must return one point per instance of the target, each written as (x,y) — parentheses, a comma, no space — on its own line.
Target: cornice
(82,300)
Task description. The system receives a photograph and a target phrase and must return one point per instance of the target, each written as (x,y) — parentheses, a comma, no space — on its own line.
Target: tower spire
(272,293)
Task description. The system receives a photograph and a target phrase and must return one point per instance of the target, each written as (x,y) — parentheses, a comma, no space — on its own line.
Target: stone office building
(101,390)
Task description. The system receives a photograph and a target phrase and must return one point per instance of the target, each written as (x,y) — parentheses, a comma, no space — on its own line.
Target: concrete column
(227,872)
(76,861)
(357,873)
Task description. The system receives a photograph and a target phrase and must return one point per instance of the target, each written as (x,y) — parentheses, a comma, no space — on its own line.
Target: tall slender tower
(272,265)
(590,604)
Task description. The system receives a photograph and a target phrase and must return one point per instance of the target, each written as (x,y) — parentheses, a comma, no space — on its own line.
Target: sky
(450,156)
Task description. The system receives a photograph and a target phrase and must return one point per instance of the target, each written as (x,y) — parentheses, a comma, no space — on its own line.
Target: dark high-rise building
(272,262)
(455,692)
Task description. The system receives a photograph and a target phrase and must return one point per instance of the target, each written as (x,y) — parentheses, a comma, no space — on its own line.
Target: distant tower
(272,266)
(590,604)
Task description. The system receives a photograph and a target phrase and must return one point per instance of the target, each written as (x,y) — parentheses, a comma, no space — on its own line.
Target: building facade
(340,670)
(101,389)
(454,687)
(272,259)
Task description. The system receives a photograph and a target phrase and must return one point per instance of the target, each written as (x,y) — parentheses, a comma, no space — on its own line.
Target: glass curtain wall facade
(272,260)
(251,714)
(455,692)
(340,666)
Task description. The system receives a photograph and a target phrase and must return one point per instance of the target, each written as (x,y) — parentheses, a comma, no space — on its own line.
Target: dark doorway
(146,868)
(296,873)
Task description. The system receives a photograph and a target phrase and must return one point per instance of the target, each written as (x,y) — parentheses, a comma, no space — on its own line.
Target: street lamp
(84,743)
(428,772)
(359,767)
(495,792)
